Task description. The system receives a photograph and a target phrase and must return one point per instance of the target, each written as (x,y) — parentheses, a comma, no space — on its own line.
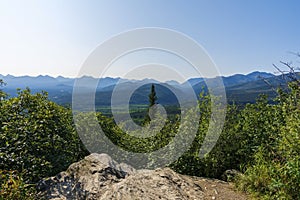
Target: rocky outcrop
(97,176)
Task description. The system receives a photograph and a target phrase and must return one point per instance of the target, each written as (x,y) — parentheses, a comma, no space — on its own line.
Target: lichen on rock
(97,176)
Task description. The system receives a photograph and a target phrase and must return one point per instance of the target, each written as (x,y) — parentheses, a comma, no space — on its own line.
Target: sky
(55,37)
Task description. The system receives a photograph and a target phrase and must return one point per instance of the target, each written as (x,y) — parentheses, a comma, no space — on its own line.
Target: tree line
(38,139)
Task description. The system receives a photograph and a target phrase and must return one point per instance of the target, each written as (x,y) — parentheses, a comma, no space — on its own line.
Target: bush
(275,172)
(37,137)
(12,186)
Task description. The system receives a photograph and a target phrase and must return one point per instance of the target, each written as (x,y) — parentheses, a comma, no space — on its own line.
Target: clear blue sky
(54,37)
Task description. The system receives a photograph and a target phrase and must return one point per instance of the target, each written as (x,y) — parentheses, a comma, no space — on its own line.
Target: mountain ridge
(60,88)
(70,81)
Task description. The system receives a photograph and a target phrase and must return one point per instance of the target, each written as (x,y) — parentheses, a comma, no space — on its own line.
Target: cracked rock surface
(97,176)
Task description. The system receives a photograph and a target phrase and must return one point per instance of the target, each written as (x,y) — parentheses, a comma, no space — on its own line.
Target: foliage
(90,134)
(12,186)
(37,136)
(152,101)
(261,140)
(275,173)
(152,96)
(2,94)
(224,154)
(38,139)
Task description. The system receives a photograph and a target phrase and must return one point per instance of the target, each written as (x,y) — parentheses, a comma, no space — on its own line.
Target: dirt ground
(219,190)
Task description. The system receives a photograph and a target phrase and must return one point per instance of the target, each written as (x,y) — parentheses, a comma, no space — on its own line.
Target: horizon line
(116,77)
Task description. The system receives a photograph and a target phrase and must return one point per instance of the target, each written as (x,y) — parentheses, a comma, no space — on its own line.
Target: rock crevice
(97,176)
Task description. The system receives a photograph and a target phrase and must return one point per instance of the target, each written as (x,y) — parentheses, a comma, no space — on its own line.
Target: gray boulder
(97,176)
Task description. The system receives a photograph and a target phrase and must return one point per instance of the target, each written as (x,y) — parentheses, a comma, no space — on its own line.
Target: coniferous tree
(152,96)
(152,101)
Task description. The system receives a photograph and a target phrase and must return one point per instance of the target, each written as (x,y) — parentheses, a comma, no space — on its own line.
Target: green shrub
(275,172)
(13,187)
(37,136)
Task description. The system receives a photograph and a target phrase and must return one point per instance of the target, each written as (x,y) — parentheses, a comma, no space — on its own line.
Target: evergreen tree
(152,96)
(152,101)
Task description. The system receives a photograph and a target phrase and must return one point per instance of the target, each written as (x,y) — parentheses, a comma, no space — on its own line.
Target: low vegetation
(38,139)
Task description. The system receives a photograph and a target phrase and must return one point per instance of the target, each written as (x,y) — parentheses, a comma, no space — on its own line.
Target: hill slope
(239,88)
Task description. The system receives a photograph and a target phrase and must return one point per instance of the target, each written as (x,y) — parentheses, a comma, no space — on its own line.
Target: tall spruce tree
(152,96)
(152,101)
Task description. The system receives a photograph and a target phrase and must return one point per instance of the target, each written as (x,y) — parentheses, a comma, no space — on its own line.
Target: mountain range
(239,88)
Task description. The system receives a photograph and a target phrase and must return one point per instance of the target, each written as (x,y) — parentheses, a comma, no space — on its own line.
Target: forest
(38,139)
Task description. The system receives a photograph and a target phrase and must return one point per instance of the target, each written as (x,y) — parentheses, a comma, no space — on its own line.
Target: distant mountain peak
(60,88)
(257,75)
(172,82)
(260,73)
